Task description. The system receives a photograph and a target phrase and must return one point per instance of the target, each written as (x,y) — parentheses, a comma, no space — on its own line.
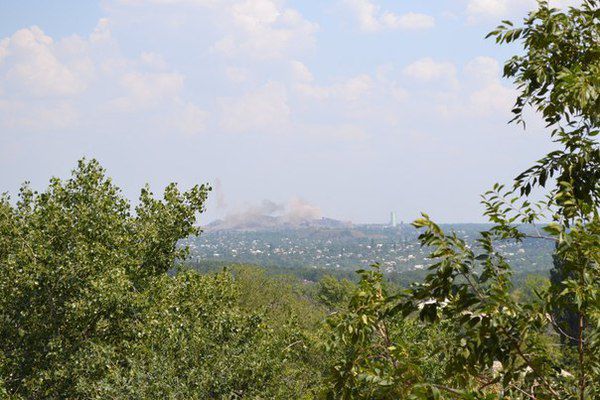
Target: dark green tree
(566,319)
(334,293)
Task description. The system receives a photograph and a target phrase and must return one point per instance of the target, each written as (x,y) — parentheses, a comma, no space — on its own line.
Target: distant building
(393,222)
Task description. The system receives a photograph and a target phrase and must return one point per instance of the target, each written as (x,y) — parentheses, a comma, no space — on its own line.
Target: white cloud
(32,66)
(300,72)
(489,10)
(365,13)
(89,77)
(366,99)
(371,18)
(237,75)
(399,93)
(264,110)
(429,70)
(480,93)
(565,3)
(37,116)
(4,49)
(483,69)
(348,90)
(492,98)
(153,60)
(477,9)
(334,131)
(56,84)
(264,29)
(102,31)
(226,45)
(147,90)
(408,21)
(429,88)
(255,14)
(479,102)
(354,88)
(203,3)
(386,77)
(191,119)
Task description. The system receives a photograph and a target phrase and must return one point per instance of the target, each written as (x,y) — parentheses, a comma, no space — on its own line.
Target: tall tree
(75,261)
(88,310)
(501,347)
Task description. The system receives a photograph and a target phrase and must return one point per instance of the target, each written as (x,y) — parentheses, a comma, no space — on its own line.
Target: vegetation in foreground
(90,306)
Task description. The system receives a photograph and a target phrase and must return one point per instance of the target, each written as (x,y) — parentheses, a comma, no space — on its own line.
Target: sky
(347,109)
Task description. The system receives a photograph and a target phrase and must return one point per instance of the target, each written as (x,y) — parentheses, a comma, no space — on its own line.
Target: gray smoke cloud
(271,214)
(298,210)
(219,195)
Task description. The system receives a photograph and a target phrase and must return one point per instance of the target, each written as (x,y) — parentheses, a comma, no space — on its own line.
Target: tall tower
(393,222)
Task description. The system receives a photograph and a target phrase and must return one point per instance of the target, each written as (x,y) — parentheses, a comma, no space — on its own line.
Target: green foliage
(88,310)
(530,289)
(567,319)
(191,342)
(74,262)
(95,303)
(501,345)
(379,354)
(294,316)
(303,273)
(195,341)
(334,293)
(559,73)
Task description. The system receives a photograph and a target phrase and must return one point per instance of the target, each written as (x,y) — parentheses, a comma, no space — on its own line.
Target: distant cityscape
(330,244)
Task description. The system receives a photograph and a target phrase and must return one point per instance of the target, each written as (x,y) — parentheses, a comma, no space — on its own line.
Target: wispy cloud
(372,18)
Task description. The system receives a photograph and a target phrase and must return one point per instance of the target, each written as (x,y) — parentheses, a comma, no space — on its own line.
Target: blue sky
(346,108)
